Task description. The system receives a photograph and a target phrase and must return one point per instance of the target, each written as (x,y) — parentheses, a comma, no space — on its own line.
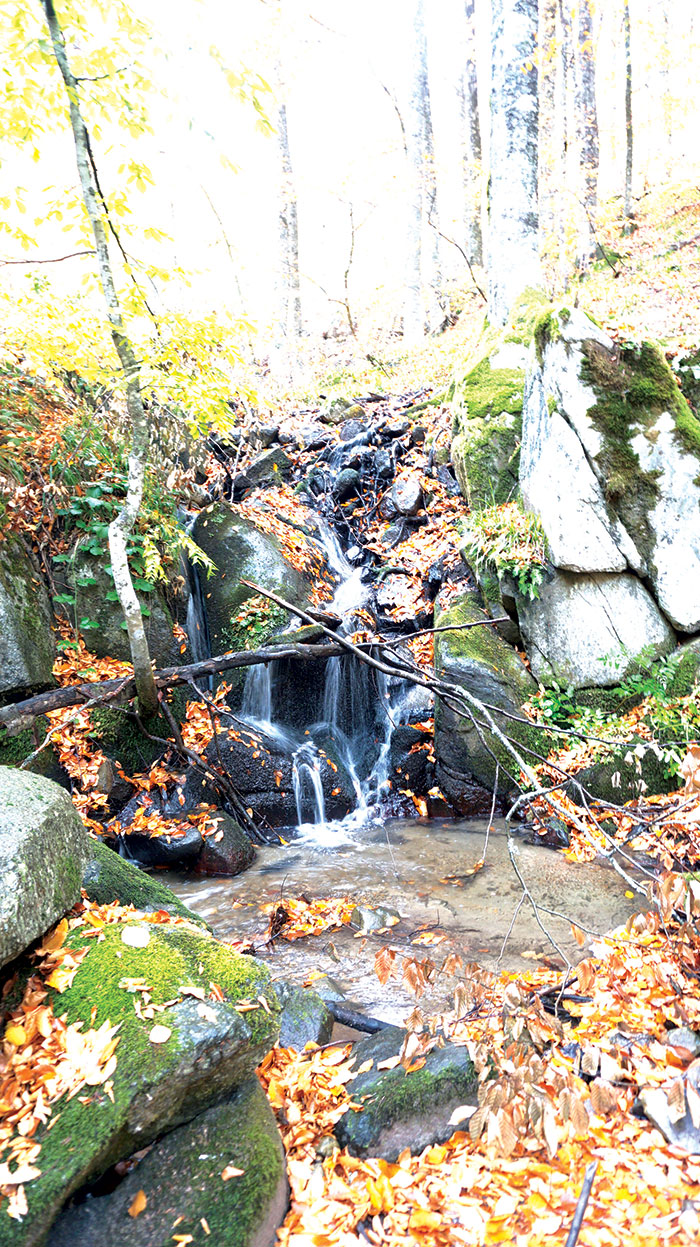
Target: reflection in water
(405,866)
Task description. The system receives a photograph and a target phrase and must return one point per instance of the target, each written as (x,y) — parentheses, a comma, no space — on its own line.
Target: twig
(583,1198)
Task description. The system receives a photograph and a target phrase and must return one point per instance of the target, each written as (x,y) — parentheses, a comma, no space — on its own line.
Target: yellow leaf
(138,1204)
(16,1035)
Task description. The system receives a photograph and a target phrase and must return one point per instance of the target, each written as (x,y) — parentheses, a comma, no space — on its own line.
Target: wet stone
(305,1018)
(403,1110)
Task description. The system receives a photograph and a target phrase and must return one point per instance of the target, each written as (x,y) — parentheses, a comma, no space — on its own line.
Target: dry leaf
(159,1034)
(138,1204)
(231,1172)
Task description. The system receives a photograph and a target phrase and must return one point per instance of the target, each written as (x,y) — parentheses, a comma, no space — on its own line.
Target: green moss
(687,673)
(546,331)
(487,424)
(120,737)
(154,1085)
(109,877)
(15,749)
(527,311)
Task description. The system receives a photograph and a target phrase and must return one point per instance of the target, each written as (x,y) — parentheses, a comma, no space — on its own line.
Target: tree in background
(629,133)
(423,242)
(122,525)
(290,291)
(471,141)
(587,131)
(513,244)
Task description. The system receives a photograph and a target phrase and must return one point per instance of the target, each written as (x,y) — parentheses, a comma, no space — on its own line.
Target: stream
(403,865)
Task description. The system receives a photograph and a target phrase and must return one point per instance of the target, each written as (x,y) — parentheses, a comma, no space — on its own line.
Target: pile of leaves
(279,513)
(295,917)
(555,1096)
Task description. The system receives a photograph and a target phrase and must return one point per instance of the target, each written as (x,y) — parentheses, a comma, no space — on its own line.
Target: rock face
(610,461)
(181,1179)
(44,849)
(211,1050)
(404,1110)
(86,579)
(240,552)
(27,647)
(483,664)
(587,630)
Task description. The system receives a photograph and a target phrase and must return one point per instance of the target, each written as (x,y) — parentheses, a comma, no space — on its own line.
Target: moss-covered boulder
(213,1046)
(487,417)
(305,1018)
(401,1110)
(27,645)
(610,461)
(44,849)
(625,775)
(109,877)
(100,618)
(181,1179)
(475,659)
(240,551)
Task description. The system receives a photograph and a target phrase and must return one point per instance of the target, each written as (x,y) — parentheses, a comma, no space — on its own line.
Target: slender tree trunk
(122,526)
(471,141)
(514,262)
(419,204)
(290,291)
(629,134)
(587,128)
(549,150)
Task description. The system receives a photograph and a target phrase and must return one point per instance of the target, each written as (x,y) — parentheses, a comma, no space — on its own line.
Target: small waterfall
(308,788)
(196,622)
(257,695)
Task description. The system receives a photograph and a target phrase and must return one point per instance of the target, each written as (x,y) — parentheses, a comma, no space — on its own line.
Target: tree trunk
(122,525)
(629,135)
(514,262)
(419,209)
(587,128)
(548,148)
(471,141)
(290,292)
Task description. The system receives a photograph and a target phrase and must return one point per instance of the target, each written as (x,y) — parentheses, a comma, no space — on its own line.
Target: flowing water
(421,870)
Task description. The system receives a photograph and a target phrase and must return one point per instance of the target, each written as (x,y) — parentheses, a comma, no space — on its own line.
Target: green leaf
(64,599)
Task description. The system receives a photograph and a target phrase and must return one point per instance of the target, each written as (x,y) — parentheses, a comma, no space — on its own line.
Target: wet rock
(409,764)
(376,919)
(269,468)
(44,849)
(684,1037)
(305,1018)
(177,850)
(491,671)
(418,435)
(383,464)
(212,1049)
(407,495)
(181,1178)
(351,429)
(27,646)
(328,989)
(109,877)
(346,483)
(396,427)
(226,851)
(681,1132)
(403,1110)
(340,409)
(265,435)
(624,775)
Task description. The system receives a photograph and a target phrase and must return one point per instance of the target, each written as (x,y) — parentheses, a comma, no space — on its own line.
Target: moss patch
(109,877)
(155,1086)
(487,424)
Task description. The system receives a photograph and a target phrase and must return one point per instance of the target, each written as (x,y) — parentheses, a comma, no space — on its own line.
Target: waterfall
(308,787)
(257,695)
(196,622)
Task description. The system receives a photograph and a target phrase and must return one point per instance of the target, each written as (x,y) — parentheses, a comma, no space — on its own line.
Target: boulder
(181,1179)
(407,495)
(346,483)
(305,1018)
(626,774)
(109,877)
(611,462)
(401,1110)
(589,630)
(44,849)
(226,851)
(269,468)
(487,413)
(212,1048)
(240,551)
(484,665)
(27,646)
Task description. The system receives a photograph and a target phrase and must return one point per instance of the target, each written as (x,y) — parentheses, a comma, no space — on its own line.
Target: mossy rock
(209,1053)
(485,666)
(688,369)
(306,1018)
(624,775)
(181,1180)
(85,577)
(401,1110)
(109,877)
(487,423)
(14,750)
(240,551)
(27,643)
(687,673)
(121,739)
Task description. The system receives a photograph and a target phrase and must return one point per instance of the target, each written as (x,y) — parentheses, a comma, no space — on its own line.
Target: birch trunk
(587,132)
(290,291)
(419,205)
(514,262)
(629,133)
(122,525)
(548,148)
(471,141)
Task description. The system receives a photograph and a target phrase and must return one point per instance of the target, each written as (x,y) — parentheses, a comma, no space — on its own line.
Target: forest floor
(560,1077)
